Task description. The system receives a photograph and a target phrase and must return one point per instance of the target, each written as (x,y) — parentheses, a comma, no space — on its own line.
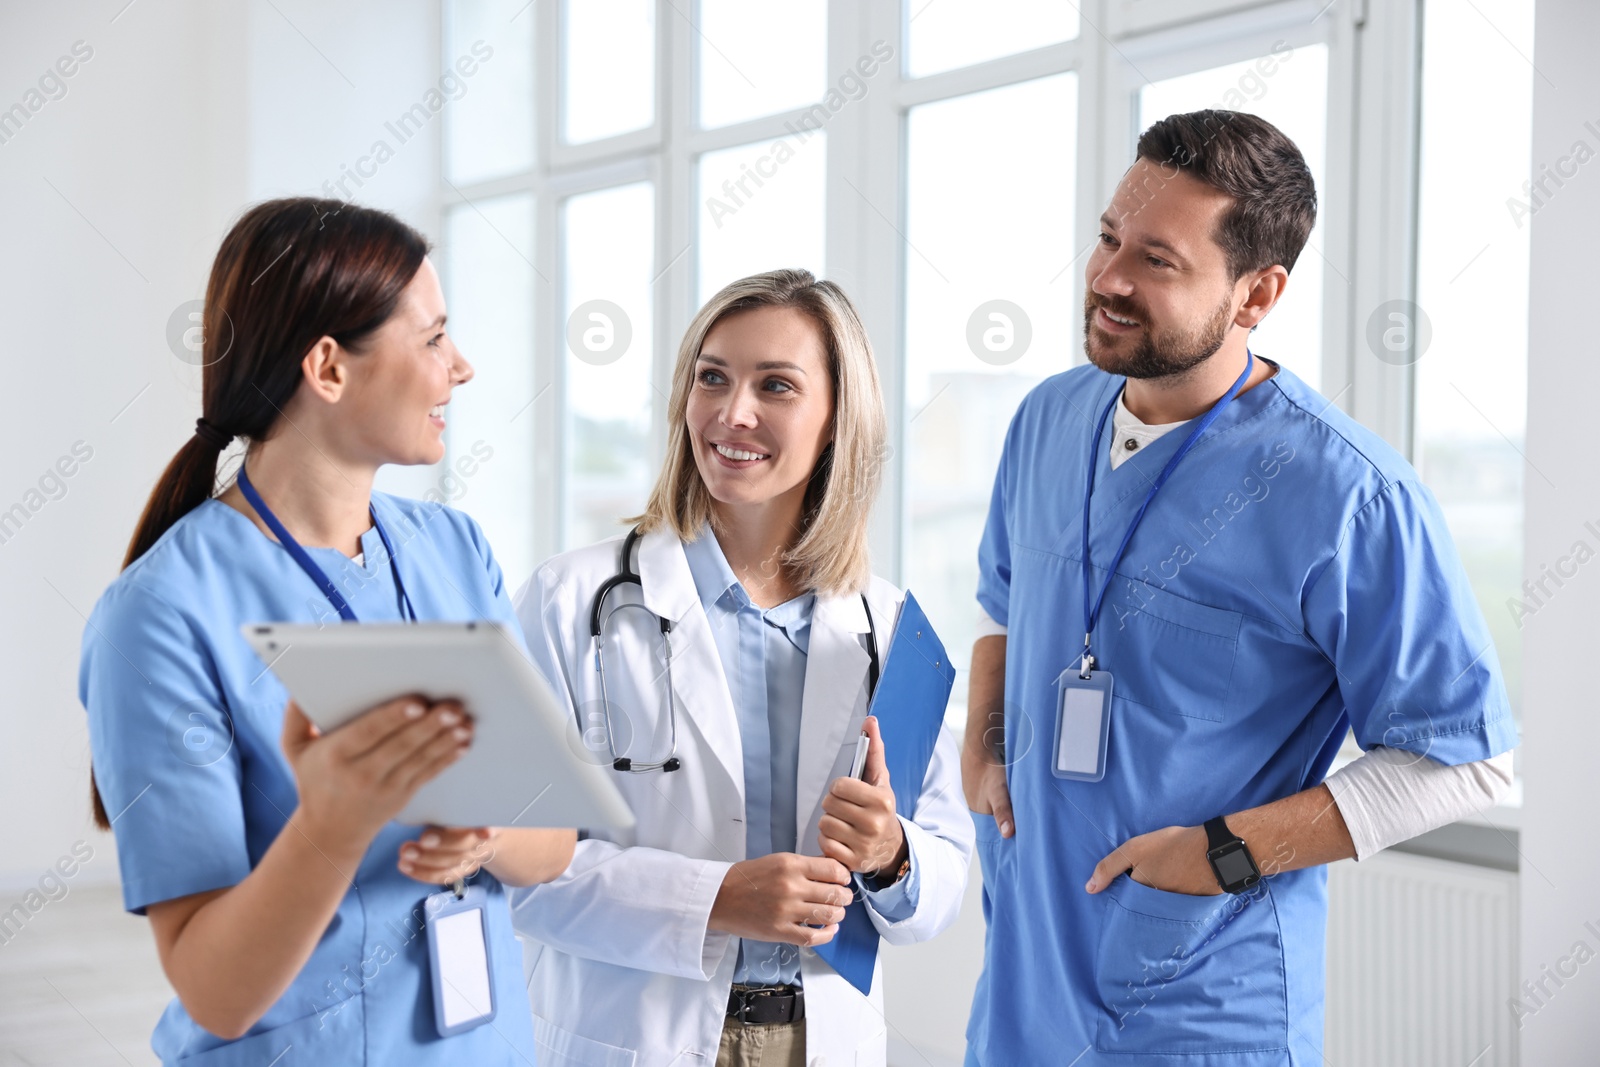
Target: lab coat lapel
(699,686)
(835,697)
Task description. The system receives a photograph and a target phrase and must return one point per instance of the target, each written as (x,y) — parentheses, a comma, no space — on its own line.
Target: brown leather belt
(759,1005)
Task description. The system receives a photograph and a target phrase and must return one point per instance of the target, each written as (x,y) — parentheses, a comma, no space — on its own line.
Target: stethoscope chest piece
(623,763)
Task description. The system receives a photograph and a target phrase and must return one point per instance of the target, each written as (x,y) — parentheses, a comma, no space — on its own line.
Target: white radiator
(1422,964)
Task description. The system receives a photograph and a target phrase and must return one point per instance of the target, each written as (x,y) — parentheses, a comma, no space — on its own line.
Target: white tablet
(526,766)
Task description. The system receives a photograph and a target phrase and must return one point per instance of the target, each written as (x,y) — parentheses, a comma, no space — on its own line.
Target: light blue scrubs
(763,654)
(1291,581)
(185,724)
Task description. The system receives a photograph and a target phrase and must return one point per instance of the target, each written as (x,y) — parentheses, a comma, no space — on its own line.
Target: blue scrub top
(1293,580)
(185,725)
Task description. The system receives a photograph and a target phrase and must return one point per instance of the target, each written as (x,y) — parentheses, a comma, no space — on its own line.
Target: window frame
(1371,251)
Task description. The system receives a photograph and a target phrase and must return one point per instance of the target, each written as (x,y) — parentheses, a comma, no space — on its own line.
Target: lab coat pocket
(1168,652)
(1183,975)
(563,1048)
(873,1052)
(337,1035)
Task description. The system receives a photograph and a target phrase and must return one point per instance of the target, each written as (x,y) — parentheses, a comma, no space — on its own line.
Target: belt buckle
(747,1001)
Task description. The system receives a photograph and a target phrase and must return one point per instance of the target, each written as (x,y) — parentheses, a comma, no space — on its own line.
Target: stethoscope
(626,575)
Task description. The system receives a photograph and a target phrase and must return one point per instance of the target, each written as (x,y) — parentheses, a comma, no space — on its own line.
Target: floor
(80,984)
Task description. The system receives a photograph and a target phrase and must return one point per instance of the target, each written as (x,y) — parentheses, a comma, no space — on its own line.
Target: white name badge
(1083,725)
(458,957)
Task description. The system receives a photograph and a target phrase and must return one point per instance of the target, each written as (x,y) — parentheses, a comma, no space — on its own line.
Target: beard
(1157,353)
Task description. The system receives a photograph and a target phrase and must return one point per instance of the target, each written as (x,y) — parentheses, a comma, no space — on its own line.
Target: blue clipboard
(909,703)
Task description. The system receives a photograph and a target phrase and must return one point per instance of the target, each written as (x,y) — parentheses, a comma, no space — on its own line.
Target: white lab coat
(623,969)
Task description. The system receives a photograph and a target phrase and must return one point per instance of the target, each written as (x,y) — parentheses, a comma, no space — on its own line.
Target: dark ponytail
(289,273)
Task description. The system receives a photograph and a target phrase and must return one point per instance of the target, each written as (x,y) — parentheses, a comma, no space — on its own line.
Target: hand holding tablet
(520,769)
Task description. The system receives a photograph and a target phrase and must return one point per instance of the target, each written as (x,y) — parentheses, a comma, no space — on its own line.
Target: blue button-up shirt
(763,653)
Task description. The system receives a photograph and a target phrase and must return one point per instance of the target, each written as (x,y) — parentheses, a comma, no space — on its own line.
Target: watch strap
(1218,834)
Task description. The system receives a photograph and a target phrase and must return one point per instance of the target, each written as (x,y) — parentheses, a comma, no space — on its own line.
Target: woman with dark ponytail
(285,902)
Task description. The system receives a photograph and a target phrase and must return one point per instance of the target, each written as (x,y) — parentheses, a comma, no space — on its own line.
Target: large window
(760,207)
(741,72)
(1467,334)
(612,164)
(607,255)
(488,268)
(944,35)
(607,68)
(989,310)
(489,129)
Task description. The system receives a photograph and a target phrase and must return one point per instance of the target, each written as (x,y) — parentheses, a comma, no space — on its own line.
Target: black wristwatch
(1230,858)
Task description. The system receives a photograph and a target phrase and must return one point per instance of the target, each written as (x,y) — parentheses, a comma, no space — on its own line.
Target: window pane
(759,58)
(608,67)
(489,280)
(489,112)
(992,290)
(761,208)
(944,34)
(1289,89)
(609,252)
(1472,286)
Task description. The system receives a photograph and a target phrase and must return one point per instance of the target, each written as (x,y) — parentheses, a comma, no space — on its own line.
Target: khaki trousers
(769,1045)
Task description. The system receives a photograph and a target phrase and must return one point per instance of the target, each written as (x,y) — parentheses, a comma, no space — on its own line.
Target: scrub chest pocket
(1165,651)
(1168,652)
(1181,975)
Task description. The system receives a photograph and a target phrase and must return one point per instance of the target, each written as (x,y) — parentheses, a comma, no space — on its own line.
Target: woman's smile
(738,456)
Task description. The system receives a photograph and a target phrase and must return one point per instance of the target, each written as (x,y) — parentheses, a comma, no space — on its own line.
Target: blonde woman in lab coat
(692,940)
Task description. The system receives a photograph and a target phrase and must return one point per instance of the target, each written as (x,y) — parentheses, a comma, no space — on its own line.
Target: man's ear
(1263,289)
(324,370)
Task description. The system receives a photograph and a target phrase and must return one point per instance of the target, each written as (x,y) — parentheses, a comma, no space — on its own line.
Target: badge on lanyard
(1083,725)
(458,959)
(1083,694)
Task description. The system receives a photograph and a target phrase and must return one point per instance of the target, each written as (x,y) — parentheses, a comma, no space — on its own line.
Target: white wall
(1561,859)
(145,155)
(185,112)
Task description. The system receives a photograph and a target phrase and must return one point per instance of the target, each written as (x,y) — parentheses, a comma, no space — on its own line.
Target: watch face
(1235,866)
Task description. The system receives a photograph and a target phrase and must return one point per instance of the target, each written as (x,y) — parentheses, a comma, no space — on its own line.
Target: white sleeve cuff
(1390,795)
(987,627)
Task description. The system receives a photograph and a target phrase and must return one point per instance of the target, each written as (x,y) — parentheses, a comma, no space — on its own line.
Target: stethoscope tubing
(626,575)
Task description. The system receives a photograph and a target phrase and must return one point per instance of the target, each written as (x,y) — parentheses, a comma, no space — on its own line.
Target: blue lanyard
(309,565)
(1091,610)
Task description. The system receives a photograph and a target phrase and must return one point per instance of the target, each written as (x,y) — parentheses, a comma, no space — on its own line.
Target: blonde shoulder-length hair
(830,557)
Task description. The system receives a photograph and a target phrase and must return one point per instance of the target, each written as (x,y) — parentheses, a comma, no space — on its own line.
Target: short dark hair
(1250,159)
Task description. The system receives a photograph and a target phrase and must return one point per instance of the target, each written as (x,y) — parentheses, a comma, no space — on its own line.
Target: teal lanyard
(1091,609)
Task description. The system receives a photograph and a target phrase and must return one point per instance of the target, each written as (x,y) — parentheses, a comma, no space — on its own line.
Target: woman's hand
(517,856)
(783,897)
(859,827)
(355,779)
(442,855)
